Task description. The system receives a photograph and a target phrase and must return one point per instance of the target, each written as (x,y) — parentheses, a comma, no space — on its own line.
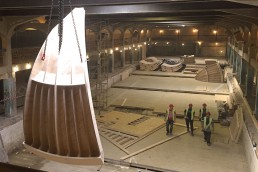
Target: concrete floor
(184,153)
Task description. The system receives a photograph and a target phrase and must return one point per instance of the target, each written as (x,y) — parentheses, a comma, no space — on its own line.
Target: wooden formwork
(211,73)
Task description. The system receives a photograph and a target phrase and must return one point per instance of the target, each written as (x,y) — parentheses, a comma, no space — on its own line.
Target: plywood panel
(130,123)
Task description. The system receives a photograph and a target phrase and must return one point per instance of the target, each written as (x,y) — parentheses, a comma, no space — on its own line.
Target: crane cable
(48,28)
(60,27)
(75,31)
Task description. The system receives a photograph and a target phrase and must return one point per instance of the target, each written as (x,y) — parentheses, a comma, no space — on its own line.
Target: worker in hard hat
(189,117)
(207,126)
(170,119)
(202,113)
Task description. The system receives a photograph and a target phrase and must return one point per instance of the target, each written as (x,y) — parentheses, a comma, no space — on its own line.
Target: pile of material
(210,61)
(193,69)
(150,64)
(171,65)
(211,73)
(188,59)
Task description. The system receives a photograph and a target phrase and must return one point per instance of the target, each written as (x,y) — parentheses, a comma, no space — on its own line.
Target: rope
(75,30)
(48,28)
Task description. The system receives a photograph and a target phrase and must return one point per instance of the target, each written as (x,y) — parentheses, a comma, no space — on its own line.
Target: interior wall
(249,150)
(22,78)
(117,59)
(28,39)
(171,49)
(212,51)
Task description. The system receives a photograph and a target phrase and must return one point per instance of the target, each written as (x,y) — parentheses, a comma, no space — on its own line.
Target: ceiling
(159,13)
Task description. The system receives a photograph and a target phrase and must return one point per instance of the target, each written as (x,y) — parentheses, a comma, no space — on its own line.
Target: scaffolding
(98,74)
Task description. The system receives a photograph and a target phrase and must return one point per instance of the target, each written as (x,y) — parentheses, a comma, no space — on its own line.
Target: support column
(99,68)
(228,52)
(256,97)
(9,84)
(246,41)
(139,54)
(249,83)
(122,55)
(10,97)
(231,56)
(144,51)
(253,40)
(243,72)
(239,68)
(111,63)
(123,52)
(234,62)
(132,55)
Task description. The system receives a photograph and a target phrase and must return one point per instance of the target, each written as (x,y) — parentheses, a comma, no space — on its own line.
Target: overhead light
(177,31)
(111,51)
(215,31)
(28,66)
(30,28)
(195,30)
(216,43)
(167,42)
(142,31)
(41,20)
(199,42)
(183,25)
(161,31)
(116,48)
(15,69)
(144,43)
(182,44)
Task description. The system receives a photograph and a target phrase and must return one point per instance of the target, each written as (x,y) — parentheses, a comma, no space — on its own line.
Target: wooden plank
(111,141)
(151,146)
(130,123)
(140,138)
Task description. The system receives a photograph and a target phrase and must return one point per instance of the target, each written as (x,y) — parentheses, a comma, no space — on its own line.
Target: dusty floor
(179,152)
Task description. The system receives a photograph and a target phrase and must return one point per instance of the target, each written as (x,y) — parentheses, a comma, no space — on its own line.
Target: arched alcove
(128,42)
(118,42)
(127,37)
(105,38)
(91,40)
(136,36)
(117,36)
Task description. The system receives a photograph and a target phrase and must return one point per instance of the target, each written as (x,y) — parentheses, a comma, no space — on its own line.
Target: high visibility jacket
(172,113)
(187,113)
(207,127)
(203,113)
